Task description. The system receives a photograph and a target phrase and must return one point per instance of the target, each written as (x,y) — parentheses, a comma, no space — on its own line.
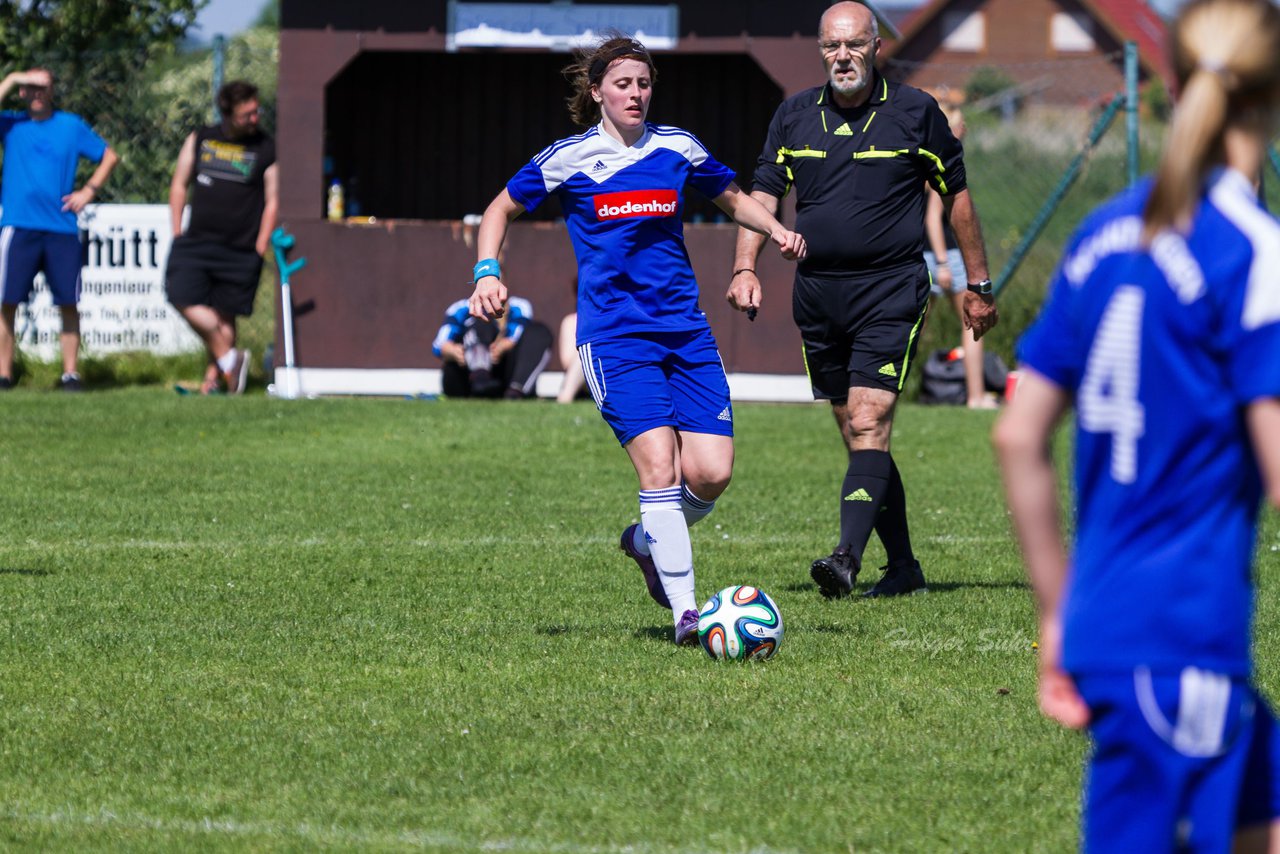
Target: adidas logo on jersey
(725,415)
(889,370)
(599,166)
(858,495)
(635,203)
(843,130)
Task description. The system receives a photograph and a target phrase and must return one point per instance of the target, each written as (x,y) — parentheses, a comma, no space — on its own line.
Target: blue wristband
(487,267)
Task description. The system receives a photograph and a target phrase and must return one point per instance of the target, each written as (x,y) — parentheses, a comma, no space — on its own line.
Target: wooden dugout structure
(422,136)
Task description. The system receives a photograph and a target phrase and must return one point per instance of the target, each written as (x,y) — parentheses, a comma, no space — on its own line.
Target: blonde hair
(588,69)
(1226,57)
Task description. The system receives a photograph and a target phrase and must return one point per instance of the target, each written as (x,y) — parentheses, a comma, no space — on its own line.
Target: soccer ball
(740,623)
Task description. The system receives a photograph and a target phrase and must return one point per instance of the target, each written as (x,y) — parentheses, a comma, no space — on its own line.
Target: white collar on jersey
(618,144)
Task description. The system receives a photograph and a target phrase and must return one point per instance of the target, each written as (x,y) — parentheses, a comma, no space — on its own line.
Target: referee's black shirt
(860,174)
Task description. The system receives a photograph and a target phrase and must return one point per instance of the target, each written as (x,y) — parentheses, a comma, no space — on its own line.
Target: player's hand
(452,351)
(980,313)
(501,347)
(76,201)
(943,277)
(1059,699)
(744,291)
(262,245)
(790,244)
(489,299)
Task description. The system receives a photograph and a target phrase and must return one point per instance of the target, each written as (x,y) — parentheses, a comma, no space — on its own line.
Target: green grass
(241,623)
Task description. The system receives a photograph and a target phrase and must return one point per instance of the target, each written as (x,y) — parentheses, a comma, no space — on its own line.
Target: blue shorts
(25,252)
(1179,761)
(959,275)
(668,379)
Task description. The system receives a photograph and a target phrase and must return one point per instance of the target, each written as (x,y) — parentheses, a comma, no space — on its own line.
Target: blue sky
(226,17)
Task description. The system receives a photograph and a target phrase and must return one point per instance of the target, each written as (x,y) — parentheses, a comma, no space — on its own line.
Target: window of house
(964,32)
(1071,32)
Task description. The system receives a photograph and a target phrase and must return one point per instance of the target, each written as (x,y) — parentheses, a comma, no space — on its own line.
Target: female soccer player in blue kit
(646,349)
(1162,325)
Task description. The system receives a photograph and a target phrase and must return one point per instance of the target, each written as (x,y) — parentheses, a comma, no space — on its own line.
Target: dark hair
(588,68)
(235,93)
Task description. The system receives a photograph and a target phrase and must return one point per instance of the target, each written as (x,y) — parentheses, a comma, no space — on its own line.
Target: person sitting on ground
(495,358)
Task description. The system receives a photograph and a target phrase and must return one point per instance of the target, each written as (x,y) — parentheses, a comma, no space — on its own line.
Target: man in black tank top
(216,262)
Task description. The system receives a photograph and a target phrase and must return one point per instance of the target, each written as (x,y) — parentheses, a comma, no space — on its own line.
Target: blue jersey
(622,206)
(1162,348)
(40,160)
(458,319)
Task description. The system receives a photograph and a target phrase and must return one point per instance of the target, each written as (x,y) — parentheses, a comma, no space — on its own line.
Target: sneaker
(238,376)
(5,383)
(835,573)
(70,382)
(900,579)
(687,628)
(645,562)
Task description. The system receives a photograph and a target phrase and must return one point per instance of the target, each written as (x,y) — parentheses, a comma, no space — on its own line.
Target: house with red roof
(1059,52)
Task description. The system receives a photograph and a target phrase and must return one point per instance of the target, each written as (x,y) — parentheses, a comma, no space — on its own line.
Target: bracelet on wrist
(742,270)
(487,267)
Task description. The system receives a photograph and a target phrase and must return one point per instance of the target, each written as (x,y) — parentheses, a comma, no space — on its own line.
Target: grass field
(244,623)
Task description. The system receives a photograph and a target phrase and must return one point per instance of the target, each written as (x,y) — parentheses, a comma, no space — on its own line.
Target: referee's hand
(744,292)
(980,313)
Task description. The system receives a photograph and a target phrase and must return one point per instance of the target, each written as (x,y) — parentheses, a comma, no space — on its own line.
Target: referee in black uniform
(859,151)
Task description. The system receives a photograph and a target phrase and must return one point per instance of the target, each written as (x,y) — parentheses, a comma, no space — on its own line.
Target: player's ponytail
(589,66)
(1226,56)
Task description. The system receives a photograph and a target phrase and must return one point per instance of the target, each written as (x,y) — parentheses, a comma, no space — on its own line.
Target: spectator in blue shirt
(38,229)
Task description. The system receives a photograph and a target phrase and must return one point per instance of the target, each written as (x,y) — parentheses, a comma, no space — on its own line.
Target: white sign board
(558,26)
(122,301)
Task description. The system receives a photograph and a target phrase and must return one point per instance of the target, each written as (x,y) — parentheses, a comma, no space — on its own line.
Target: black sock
(861,496)
(891,521)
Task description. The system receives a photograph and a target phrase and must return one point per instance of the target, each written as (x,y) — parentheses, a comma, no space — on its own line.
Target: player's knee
(708,478)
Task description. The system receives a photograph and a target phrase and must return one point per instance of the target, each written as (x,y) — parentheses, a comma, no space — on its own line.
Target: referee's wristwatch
(983,287)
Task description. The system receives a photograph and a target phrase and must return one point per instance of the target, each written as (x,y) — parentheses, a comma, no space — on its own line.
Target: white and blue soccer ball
(740,623)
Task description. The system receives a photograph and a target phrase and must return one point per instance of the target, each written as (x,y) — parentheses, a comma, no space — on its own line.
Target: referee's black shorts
(860,331)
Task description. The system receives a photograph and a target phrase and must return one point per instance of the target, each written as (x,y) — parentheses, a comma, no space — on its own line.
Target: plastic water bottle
(335,206)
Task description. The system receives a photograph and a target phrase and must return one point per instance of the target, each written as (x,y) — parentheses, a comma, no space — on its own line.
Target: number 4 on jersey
(1108,398)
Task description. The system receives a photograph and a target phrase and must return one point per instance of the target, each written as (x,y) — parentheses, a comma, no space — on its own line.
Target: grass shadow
(7,570)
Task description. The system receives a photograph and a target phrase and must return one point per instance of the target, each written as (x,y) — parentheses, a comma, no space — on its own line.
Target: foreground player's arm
(1263,417)
(181,180)
(1022,442)
(76,201)
(744,287)
(271,204)
(489,299)
(980,312)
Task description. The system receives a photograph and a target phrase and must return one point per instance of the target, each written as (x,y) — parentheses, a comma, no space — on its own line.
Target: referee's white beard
(849,86)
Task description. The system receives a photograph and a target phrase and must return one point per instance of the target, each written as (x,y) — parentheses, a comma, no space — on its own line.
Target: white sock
(228,360)
(694,508)
(668,536)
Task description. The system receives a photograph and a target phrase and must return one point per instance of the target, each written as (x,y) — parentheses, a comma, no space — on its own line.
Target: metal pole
(219,69)
(1064,184)
(1131,106)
